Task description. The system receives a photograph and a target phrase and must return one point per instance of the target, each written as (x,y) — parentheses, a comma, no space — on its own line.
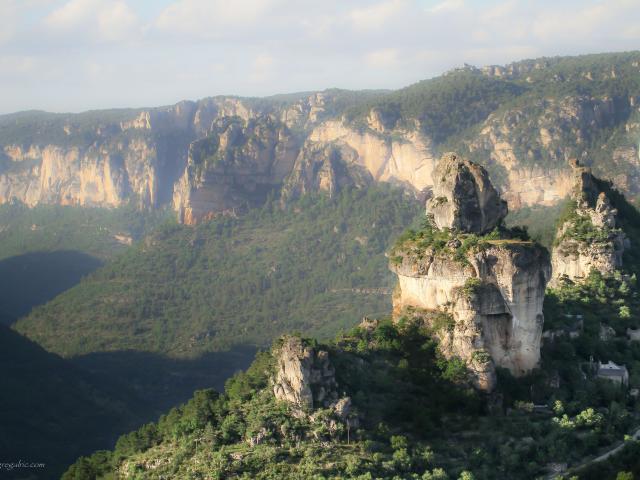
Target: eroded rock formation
(484,302)
(589,239)
(304,377)
(324,167)
(404,157)
(214,156)
(153,157)
(235,166)
(463,197)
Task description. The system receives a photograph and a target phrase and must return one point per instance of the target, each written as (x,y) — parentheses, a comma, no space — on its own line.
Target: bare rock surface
(463,197)
(589,239)
(305,377)
(484,304)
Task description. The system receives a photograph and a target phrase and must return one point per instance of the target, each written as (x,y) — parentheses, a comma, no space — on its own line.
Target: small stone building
(634,335)
(615,373)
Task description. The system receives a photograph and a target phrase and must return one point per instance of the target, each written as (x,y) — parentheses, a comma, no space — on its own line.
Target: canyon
(222,155)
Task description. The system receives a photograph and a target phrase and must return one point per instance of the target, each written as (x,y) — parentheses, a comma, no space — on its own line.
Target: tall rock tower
(476,286)
(589,237)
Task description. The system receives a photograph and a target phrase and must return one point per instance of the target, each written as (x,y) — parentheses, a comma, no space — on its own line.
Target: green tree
(624,476)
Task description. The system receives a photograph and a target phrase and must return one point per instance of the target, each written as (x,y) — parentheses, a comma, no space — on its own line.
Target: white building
(613,372)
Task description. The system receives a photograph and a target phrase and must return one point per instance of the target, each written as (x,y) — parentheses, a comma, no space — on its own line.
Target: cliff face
(96,175)
(589,238)
(209,157)
(536,115)
(406,157)
(110,159)
(235,165)
(464,198)
(530,145)
(324,167)
(492,291)
(494,297)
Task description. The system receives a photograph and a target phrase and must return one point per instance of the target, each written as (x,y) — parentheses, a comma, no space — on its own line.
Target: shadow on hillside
(35,278)
(161,382)
(53,409)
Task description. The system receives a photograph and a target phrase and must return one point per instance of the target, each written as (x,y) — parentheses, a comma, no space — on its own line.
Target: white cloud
(72,14)
(10,13)
(447,6)
(262,68)
(116,22)
(210,18)
(586,23)
(17,65)
(191,48)
(376,15)
(103,20)
(383,58)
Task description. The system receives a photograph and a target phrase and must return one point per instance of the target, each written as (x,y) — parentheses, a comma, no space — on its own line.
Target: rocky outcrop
(235,166)
(463,197)
(528,146)
(98,175)
(589,239)
(324,167)
(306,112)
(483,302)
(405,157)
(494,298)
(304,377)
(151,158)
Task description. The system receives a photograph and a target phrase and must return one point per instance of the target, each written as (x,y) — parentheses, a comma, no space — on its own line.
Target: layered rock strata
(484,302)
(589,239)
(463,197)
(304,377)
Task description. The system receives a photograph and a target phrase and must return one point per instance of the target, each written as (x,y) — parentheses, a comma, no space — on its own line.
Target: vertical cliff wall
(490,287)
(522,122)
(589,237)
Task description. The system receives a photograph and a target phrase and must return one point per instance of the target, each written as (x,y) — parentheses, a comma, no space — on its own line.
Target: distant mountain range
(523,121)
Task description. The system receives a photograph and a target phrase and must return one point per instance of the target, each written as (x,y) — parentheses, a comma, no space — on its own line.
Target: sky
(75,55)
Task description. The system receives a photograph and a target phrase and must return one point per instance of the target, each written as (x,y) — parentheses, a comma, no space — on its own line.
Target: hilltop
(403,397)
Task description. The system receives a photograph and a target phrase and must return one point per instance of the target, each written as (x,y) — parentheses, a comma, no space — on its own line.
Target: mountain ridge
(523,121)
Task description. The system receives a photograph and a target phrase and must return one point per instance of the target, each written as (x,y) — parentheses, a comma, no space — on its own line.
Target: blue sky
(73,55)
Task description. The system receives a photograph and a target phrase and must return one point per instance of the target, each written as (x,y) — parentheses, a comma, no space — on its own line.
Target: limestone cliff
(529,145)
(304,377)
(589,237)
(494,297)
(107,160)
(490,288)
(324,167)
(464,198)
(236,165)
(521,122)
(403,157)
(217,155)
(97,175)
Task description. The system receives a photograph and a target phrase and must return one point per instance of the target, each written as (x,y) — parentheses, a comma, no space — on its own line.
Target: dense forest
(316,266)
(48,249)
